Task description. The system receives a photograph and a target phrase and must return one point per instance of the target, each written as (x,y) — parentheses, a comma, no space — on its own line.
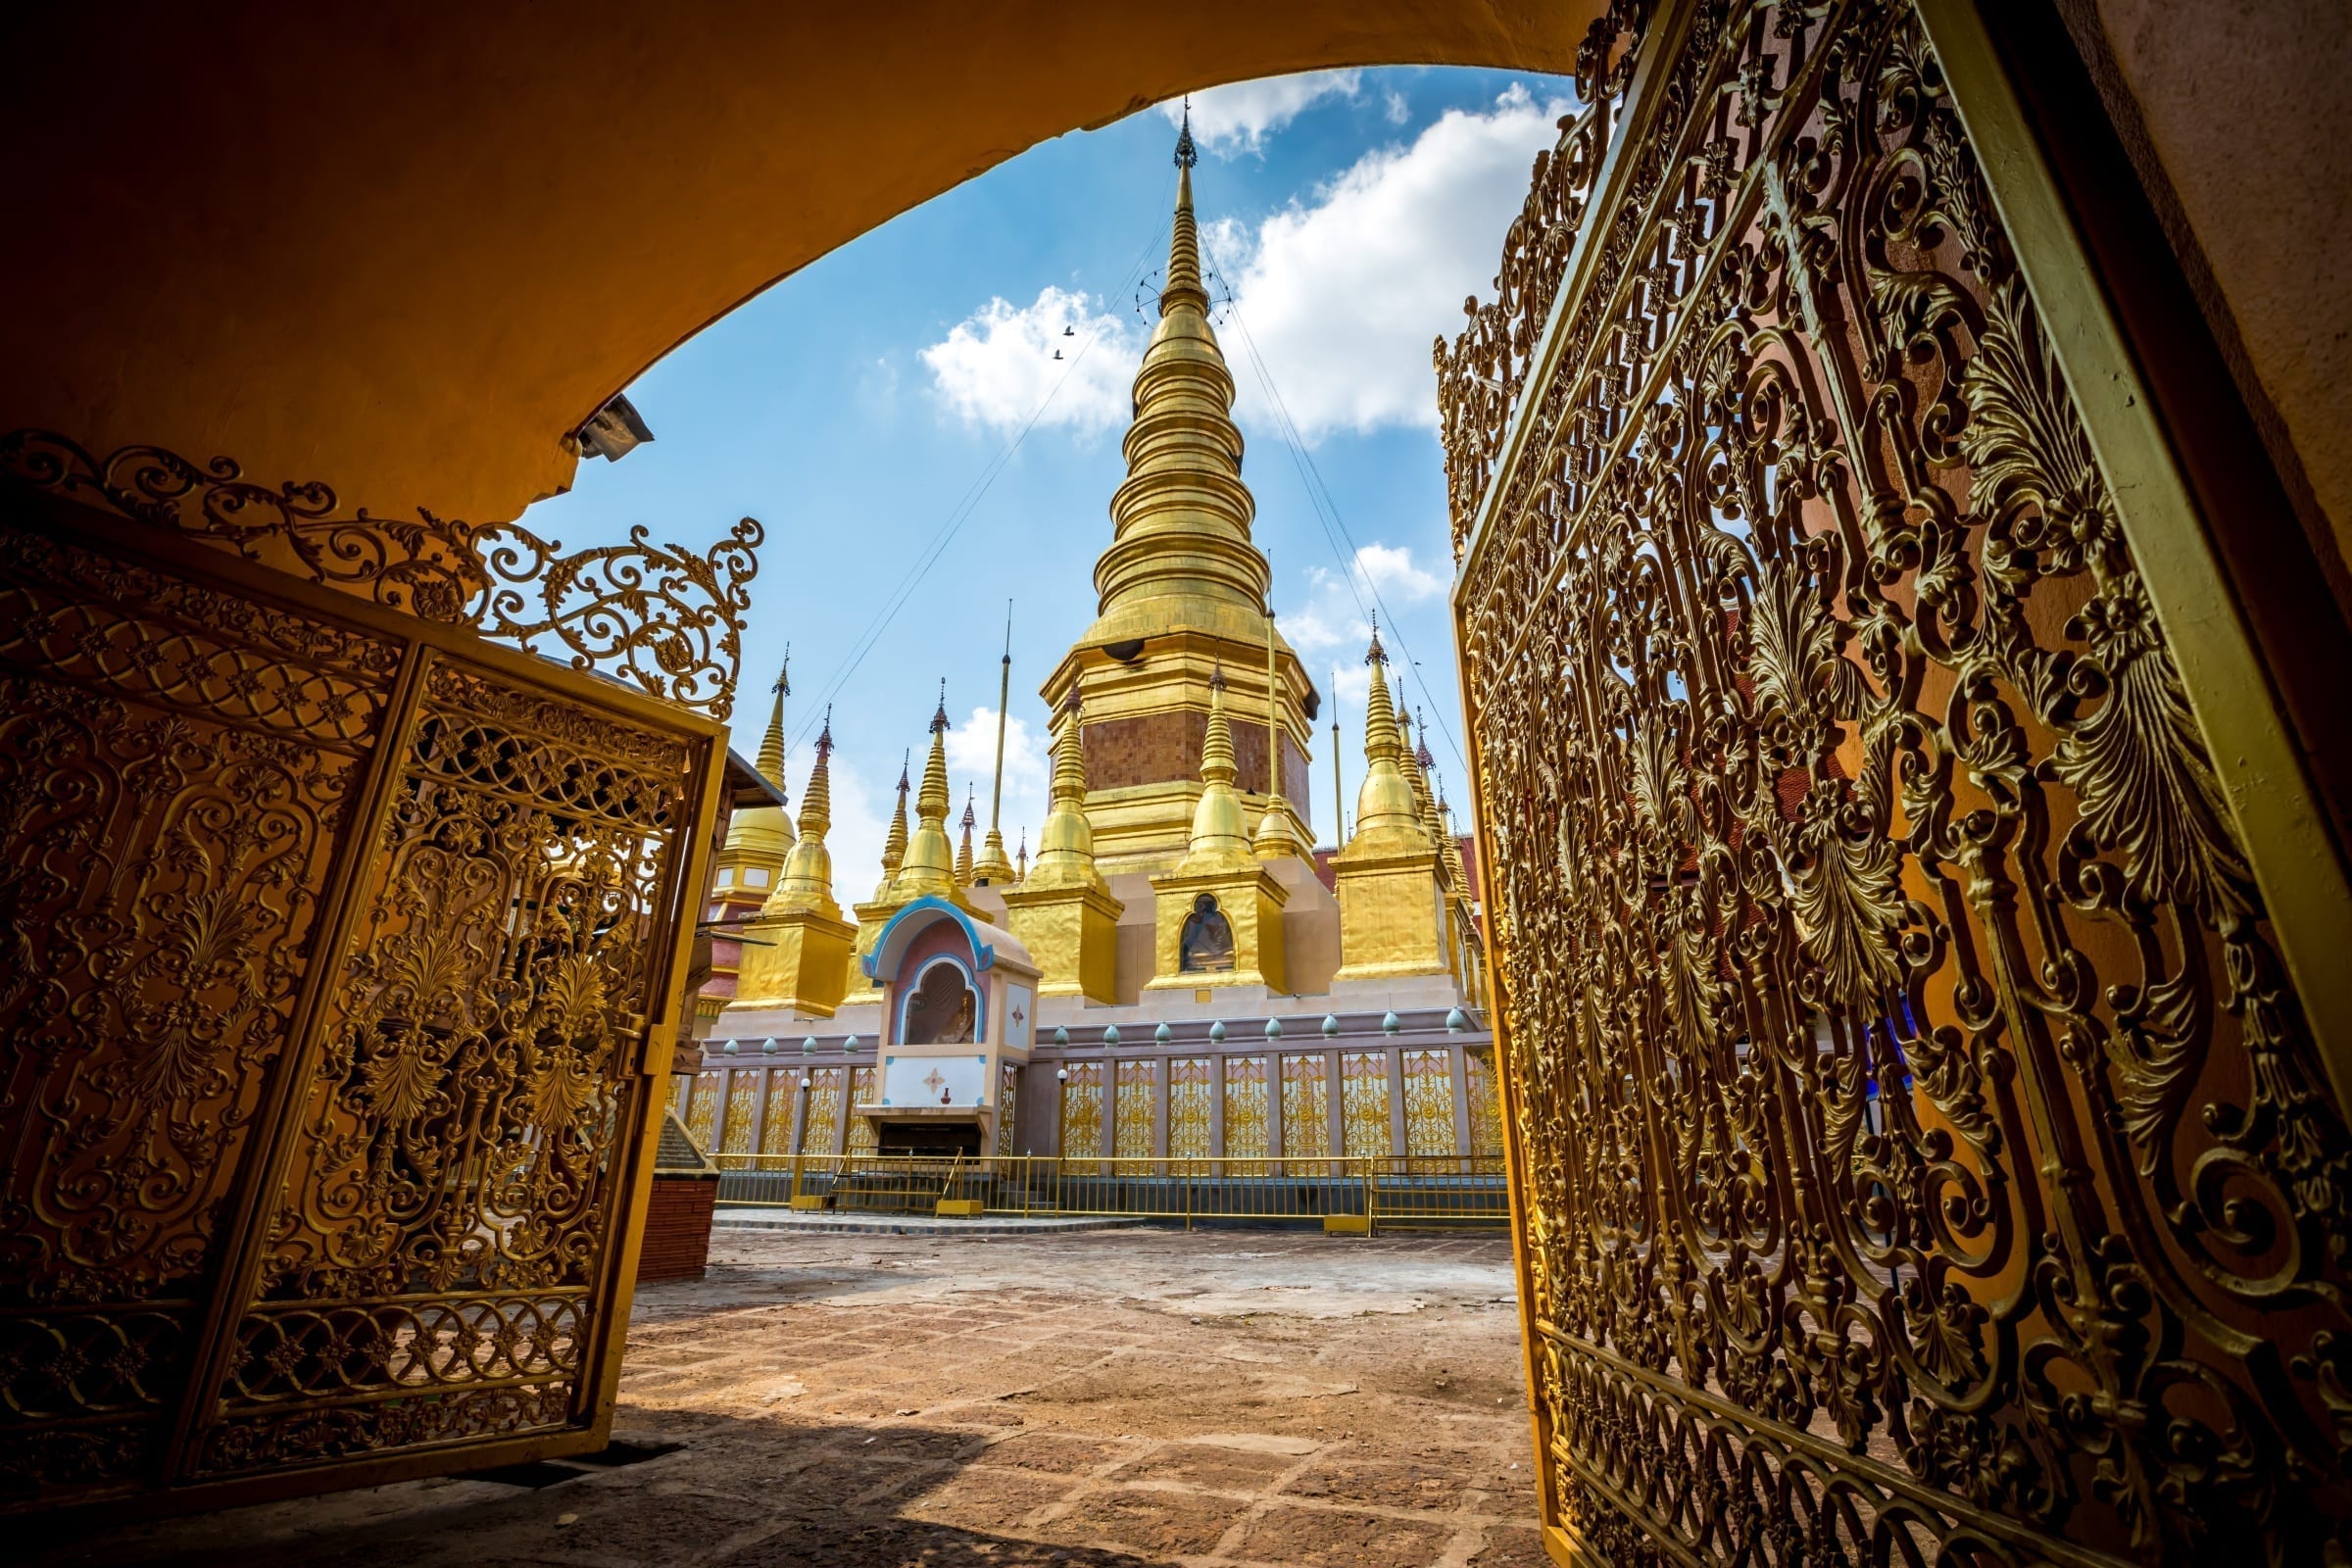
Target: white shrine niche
(933,1082)
(958,1005)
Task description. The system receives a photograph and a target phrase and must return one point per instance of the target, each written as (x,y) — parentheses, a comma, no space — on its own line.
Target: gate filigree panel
(433,1264)
(335,946)
(1920,1154)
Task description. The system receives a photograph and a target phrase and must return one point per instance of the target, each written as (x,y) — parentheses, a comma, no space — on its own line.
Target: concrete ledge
(848,1222)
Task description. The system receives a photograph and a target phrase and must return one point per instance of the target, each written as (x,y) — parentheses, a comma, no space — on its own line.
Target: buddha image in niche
(1207,945)
(941,1011)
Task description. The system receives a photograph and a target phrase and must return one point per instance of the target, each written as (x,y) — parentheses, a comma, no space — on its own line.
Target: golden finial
(964,855)
(1065,845)
(1220,839)
(1186,155)
(1387,814)
(1275,838)
(991,867)
(893,848)
(807,881)
(929,867)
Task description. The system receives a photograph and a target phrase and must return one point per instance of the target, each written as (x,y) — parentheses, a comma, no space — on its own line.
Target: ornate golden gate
(342,951)
(1921,1148)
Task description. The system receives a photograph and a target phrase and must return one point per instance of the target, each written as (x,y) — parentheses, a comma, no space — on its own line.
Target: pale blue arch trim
(890,948)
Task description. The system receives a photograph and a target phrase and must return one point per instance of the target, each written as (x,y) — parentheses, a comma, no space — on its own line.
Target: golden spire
(1220,838)
(807,882)
(1422,761)
(1275,839)
(1180,553)
(991,867)
(1065,845)
(964,855)
(1450,846)
(772,744)
(893,848)
(1386,814)
(930,864)
(1020,862)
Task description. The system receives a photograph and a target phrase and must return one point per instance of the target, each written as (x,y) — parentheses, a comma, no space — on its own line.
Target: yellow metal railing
(1341,1194)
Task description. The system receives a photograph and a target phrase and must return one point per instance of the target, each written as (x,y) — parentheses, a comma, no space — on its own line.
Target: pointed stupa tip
(1421,752)
(1186,154)
(939,719)
(808,879)
(1376,655)
(770,762)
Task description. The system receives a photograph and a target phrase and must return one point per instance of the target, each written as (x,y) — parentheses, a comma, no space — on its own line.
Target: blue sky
(855,407)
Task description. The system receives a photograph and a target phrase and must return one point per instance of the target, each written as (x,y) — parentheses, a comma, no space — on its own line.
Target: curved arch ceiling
(406,249)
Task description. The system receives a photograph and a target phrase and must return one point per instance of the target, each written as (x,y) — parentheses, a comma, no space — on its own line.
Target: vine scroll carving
(1921,1153)
(337,951)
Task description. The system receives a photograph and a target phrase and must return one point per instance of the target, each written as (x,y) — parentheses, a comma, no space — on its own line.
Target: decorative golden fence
(1392,1193)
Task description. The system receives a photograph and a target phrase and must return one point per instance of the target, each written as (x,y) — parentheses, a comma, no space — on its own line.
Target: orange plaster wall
(406,249)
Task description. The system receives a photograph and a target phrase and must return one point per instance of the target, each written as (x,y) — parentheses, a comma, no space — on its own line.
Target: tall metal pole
(1339,790)
(995,798)
(1273,703)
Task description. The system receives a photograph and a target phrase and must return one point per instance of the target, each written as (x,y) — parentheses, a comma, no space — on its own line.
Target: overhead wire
(1326,508)
(967,503)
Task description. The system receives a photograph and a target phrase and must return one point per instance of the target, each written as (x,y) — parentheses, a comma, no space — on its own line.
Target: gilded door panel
(1364,1104)
(743,1107)
(1429,1103)
(861,1092)
(1919,1150)
(820,1120)
(1306,1107)
(1190,1087)
(1082,1111)
(433,1270)
(1131,1119)
(1245,1123)
(177,768)
(1009,1102)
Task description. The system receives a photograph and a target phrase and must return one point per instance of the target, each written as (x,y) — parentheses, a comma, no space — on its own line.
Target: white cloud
(1398,108)
(1392,573)
(1237,118)
(972,755)
(861,822)
(1028,770)
(1330,624)
(995,368)
(1344,293)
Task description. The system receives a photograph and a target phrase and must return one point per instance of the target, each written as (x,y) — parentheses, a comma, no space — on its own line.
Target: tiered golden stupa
(1174,894)
(1183,593)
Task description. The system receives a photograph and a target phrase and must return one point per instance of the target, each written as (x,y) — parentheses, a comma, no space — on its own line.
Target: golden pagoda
(929,866)
(875,912)
(746,868)
(796,952)
(1219,917)
(1182,593)
(1390,875)
(1062,910)
(1174,908)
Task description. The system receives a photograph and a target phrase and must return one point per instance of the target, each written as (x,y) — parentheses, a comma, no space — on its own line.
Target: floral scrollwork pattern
(176,768)
(659,618)
(1923,1155)
(450,1204)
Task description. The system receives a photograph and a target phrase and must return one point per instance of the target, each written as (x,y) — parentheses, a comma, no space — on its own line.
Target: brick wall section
(1155,748)
(677,1228)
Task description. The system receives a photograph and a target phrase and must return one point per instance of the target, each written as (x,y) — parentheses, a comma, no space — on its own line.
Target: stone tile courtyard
(1234,1396)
